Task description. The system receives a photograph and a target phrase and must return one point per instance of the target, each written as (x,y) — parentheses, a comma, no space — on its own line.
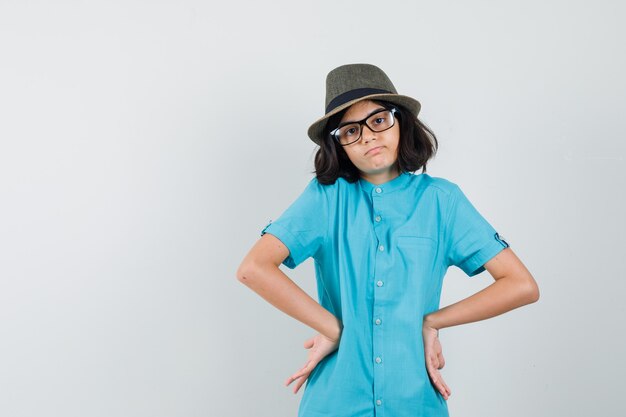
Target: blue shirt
(380,254)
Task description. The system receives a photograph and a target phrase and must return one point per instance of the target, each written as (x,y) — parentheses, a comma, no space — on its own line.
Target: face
(375,153)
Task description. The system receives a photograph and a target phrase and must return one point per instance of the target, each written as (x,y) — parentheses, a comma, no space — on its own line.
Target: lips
(377,147)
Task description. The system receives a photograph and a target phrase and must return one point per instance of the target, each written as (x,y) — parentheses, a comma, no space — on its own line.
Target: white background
(145,144)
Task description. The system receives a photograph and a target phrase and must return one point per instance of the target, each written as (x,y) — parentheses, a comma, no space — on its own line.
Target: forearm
(503,295)
(279,290)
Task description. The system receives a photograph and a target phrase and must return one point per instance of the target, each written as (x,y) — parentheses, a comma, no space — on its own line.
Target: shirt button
(379,402)
(377,218)
(379,283)
(378,321)
(379,190)
(378,360)
(381,248)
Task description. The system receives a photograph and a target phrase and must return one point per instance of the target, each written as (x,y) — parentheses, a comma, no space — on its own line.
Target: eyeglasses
(351,132)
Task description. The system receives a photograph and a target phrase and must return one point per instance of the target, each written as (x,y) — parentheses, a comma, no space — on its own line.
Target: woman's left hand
(434,358)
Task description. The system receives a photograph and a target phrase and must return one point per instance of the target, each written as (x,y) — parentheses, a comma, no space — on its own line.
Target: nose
(366,133)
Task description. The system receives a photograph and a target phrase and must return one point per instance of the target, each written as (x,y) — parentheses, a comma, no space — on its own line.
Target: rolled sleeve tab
(500,239)
(265,228)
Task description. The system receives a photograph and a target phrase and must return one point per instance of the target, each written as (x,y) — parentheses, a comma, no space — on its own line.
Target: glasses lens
(348,133)
(380,121)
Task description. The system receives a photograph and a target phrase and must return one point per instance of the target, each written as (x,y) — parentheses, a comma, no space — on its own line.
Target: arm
(514,287)
(260,272)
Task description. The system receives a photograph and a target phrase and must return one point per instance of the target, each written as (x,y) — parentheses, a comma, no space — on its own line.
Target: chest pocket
(417,254)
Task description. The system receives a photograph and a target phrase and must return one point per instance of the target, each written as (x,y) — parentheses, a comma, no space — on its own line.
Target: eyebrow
(354,121)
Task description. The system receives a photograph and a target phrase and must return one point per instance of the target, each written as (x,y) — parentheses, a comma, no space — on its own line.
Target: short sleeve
(470,240)
(303,226)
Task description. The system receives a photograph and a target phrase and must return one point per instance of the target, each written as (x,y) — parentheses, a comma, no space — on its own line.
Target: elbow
(250,269)
(535,294)
(531,290)
(245,272)
(532,295)
(525,288)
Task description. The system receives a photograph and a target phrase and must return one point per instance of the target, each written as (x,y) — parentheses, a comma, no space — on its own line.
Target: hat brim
(316,130)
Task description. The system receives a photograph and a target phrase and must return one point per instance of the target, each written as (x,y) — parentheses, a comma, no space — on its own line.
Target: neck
(381,177)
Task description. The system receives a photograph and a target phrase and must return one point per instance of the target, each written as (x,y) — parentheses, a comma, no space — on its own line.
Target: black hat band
(353,95)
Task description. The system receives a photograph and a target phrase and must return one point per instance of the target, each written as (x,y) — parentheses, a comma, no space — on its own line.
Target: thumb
(309,343)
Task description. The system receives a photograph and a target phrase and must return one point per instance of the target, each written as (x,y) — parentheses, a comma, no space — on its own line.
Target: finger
(441,363)
(446,390)
(304,369)
(309,343)
(301,372)
(301,382)
(435,376)
(443,388)
(432,368)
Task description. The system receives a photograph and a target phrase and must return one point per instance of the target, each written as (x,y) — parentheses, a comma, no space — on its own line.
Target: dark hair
(417,145)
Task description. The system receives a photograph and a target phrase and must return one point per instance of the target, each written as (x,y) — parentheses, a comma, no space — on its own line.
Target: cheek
(353,157)
(396,140)
(356,159)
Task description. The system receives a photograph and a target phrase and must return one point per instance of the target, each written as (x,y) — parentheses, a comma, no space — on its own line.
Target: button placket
(381,261)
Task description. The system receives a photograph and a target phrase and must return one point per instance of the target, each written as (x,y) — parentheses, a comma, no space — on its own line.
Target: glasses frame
(362,122)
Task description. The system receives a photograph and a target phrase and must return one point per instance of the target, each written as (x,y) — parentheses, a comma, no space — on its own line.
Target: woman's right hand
(319,347)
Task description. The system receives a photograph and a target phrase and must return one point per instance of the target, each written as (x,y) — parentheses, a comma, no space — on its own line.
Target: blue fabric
(380,254)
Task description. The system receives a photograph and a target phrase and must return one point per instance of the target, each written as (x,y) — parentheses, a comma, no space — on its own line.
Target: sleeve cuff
(289,240)
(475,265)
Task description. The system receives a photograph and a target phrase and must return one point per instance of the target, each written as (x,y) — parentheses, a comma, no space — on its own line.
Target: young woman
(382,239)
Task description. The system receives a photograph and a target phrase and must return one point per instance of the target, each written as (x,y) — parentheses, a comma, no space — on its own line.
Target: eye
(377,120)
(350,131)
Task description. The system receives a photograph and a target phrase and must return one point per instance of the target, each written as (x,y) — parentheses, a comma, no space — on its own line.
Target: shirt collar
(397,183)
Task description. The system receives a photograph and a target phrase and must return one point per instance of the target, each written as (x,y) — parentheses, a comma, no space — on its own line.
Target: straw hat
(351,83)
